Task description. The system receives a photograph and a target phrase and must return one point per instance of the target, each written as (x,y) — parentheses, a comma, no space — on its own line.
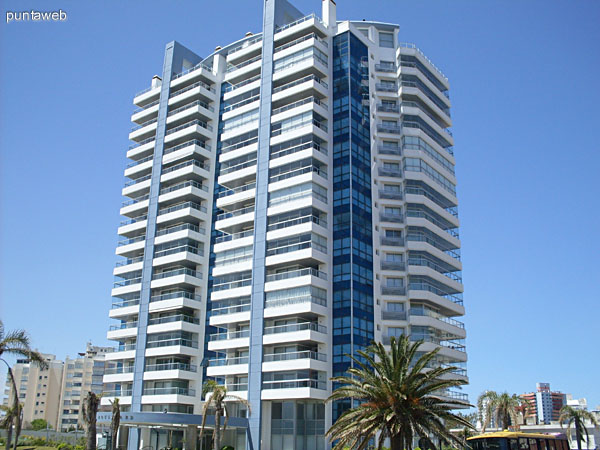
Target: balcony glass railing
(172,342)
(144,124)
(234,236)
(179,249)
(227,361)
(238,145)
(289,356)
(129,261)
(314,122)
(127,282)
(175,295)
(182,227)
(436,316)
(290,328)
(430,218)
(169,391)
(300,40)
(304,101)
(140,161)
(236,213)
(123,326)
(296,247)
(237,190)
(140,143)
(319,170)
(280,303)
(425,262)
(117,393)
(456,298)
(132,240)
(171,366)
(295,274)
(181,206)
(118,370)
(232,285)
(295,384)
(241,103)
(193,86)
(299,21)
(195,122)
(283,87)
(137,180)
(230,309)
(173,318)
(123,348)
(192,69)
(146,106)
(235,168)
(189,106)
(297,221)
(197,142)
(177,272)
(125,303)
(245,44)
(133,220)
(233,87)
(230,335)
(233,67)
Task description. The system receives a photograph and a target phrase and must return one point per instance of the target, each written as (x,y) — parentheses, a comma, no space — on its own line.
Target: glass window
(393,233)
(395,331)
(394,257)
(396,307)
(386,40)
(394,282)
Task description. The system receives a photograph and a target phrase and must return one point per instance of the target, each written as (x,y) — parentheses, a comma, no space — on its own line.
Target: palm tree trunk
(217,429)
(9,432)
(578,434)
(396,442)
(16,409)
(91,435)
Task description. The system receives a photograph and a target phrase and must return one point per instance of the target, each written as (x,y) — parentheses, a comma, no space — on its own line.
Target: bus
(515,440)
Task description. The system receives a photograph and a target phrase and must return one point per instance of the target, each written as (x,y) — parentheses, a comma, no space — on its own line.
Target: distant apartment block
(56,394)
(544,404)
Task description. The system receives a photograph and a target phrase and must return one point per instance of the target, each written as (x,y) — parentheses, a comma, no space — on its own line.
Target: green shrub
(227,447)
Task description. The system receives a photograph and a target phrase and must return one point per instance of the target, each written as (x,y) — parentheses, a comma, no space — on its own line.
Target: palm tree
(89,411)
(218,400)
(578,417)
(17,343)
(7,421)
(115,421)
(400,398)
(503,407)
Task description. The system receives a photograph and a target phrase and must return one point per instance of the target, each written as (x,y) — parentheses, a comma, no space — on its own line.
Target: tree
(503,407)
(577,417)
(400,398)
(115,421)
(17,343)
(7,421)
(218,400)
(89,411)
(39,424)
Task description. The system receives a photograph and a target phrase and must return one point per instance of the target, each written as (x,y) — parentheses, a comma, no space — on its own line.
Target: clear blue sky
(524,86)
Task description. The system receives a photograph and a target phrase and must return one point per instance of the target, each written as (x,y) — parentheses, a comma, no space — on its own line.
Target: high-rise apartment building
(38,390)
(544,404)
(80,376)
(55,394)
(289,198)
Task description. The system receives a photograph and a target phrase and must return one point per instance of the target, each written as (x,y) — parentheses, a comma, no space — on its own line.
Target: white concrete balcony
(229,340)
(242,171)
(242,264)
(172,347)
(310,65)
(446,305)
(143,131)
(241,107)
(445,256)
(123,308)
(429,117)
(237,219)
(408,89)
(147,95)
(244,129)
(176,277)
(122,331)
(302,253)
(299,225)
(135,208)
(299,332)
(123,352)
(434,228)
(136,187)
(310,84)
(177,322)
(296,278)
(421,176)
(300,152)
(240,87)
(247,46)
(140,167)
(181,231)
(239,149)
(227,366)
(299,27)
(294,389)
(141,149)
(246,68)
(301,43)
(174,300)
(198,72)
(185,210)
(126,287)
(124,397)
(146,113)
(405,69)
(452,283)
(235,240)
(184,190)
(162,396)
(308,128)
(197,109)
(235,198)
(295,306)
(446,324)
(230,315)
(301,360)
(187,150)
(123,377)
(447,349)
(170,371)
(234,289)
(198,90)
(299,107)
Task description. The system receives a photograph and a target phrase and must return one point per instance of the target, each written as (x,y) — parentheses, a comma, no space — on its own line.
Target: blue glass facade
(353,320)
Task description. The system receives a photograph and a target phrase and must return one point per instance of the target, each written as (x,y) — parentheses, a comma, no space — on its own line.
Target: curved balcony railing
(290,328)
(296,273)
(307,354)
